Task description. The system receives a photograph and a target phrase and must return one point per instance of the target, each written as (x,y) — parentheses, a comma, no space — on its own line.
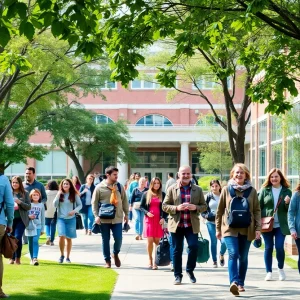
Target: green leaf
(56,28)
(9,2)
(29,30)
(36,23)
(4,36)
(21,9)
(73,39)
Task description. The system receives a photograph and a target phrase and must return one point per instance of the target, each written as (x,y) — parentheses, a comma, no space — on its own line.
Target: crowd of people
(233,215)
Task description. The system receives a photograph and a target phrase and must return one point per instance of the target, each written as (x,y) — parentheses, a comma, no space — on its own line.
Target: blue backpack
(239,215)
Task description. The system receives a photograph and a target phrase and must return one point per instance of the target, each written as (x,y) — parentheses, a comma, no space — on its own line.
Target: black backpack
(239,215)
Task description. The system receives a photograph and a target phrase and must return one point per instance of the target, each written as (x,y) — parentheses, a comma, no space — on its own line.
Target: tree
(75,131)
(37,83)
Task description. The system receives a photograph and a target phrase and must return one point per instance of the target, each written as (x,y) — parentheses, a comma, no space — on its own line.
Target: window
(15,169)
(262,162)
(209,83)
(276,131)
(209,120)
(276,156)
(157,160)
(102,119)
(253,138)
(147,83)
(54,163)
(154,120)
(111,85)
(196,168)
(262,132)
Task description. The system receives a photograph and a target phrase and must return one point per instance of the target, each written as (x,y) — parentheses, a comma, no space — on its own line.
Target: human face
(89,179)
(97,174)
(275,179)
(142,183)
(66,186)
(112,178)
(239,176)
(156,185)
(35,197)
(185,175)
(29,176)
(137,177)
(74,179)
(215,188)
(15,185)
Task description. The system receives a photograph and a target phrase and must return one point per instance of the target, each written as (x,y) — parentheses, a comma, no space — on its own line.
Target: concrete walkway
(136,282)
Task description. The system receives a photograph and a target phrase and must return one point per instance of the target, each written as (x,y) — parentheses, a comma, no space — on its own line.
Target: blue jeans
(213,241)
(169,236)
(88,218)
(117,234)
(33,243)
(177,241)
(238,249)
(297,241)
(50,227)
(139,220)
(18,230)
(269,245)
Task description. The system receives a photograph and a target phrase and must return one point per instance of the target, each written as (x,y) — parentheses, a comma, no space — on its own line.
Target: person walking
(274,196)
(237,233)
(50,222)
(68,203)
(134,184)
(86,192)
(170,181)
(294,220)
(37,215)
(212,200)
(183,202)
(151,206)
(21,206)
(76,182)
(110,191)
(6,219)
(135,203)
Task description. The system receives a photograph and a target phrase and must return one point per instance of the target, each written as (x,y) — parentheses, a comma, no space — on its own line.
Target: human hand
(8,229)
(31,217)
(17,201)
(257,234)
(125,219)
(191,206)
(150,215)
(218,235)
(294,235)
(181,207)
(287,200)
(85,190)
(71,213)
(98,221)
(161,221)
(130,208)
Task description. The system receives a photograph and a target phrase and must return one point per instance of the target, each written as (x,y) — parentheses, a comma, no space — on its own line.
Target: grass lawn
(51,280)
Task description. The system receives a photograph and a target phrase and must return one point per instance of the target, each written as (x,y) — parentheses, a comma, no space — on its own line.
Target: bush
(204,182)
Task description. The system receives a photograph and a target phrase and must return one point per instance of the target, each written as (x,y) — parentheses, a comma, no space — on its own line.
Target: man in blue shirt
(6,218)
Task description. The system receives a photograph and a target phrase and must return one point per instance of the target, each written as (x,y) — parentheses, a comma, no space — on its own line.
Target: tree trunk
(2,167)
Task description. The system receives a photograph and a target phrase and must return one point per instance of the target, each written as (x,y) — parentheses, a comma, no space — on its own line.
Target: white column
(123,172)
(184,154)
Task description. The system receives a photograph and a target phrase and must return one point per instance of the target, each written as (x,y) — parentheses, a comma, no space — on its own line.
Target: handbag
(137,205)
(162,257)
(79,224)
(268,222)
(96,228)
(107,211)
(9,245)
(203,249)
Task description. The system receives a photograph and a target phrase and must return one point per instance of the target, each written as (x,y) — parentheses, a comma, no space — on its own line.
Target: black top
(145,207)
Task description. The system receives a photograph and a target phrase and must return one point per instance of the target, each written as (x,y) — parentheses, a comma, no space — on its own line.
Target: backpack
(162,257)
(239,215)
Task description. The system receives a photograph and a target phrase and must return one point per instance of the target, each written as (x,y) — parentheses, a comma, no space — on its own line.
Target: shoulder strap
(231,191)
(119,187)
(247,193)
(278,203)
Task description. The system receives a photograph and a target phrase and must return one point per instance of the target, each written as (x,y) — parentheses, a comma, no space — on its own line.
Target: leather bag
(9,245)
(137,205)
(267,223)
(107,211)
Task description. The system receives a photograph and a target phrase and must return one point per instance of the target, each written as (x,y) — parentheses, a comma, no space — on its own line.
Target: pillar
(123,172)
(184,154)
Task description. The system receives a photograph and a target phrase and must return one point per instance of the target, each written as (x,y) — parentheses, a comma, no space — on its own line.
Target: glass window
(148,82)
(262,132)
(276,133)
(209,120)
(276,156)
(154,120)
(136,84)
(196,167)
(109,85)
(15,169)
(102,119)
(157,160)
(253,163)
(209,82)
(293,160)
(262,162)
(55,162)
(253,140)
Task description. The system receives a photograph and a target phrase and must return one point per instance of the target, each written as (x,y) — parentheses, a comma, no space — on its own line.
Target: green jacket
(266,201)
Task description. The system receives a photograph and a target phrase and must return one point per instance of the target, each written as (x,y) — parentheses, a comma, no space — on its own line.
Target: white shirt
(276,193)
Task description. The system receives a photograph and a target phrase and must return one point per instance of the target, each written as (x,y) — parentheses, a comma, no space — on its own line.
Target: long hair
(297,189)
(216,181)
(72,191)
(52,185)
(35,191)
(243,167)
(77,181)
(21,187)
(283,181)
(151,190)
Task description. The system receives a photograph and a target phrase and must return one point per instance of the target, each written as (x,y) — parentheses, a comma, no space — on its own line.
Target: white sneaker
(281,274)
(268,276)
(215,264)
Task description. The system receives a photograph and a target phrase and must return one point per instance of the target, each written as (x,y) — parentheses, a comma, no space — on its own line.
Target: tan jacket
(102,195)
(221,215)
(173,199)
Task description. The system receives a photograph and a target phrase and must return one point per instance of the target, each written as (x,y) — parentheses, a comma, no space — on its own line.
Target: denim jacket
(83,196)
(6,196)
(294,214)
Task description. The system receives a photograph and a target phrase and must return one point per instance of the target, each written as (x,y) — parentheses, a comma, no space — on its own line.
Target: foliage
(204,182)
(75,131)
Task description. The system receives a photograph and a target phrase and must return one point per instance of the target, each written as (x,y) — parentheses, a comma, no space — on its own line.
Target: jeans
(297,241)
(171,247)
(238,249)
(88,218)
(33,243)
(213,241)
(18,230)
(269,245)
(177,241)
(139,220)
(117,234)
(50,228)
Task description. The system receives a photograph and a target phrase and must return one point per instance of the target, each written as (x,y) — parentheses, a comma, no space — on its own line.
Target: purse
(203,249)
(79,224)
(137,205)
(268,222)
(107,211)
(162,257)
(9,245)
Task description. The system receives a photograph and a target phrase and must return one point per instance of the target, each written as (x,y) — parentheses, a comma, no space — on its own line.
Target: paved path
(136,282)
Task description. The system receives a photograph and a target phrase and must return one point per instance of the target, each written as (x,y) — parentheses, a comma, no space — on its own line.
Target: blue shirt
(6,196)
(36,185)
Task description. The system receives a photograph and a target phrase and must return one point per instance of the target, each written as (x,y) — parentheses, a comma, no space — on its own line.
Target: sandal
(154,267)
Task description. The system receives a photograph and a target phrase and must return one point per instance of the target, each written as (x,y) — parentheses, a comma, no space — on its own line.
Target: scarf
(113,196)
(240,188)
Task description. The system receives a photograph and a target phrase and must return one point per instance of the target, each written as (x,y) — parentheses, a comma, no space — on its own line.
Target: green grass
(51,280)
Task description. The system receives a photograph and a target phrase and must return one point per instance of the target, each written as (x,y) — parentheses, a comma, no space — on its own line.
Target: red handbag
(268,222)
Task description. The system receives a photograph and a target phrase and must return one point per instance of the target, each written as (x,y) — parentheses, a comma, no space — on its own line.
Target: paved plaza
(136,282)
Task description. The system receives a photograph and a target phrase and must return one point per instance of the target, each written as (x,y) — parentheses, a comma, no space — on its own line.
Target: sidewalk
(136,282)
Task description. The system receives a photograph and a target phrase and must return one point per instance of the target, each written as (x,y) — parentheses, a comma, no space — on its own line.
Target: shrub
(204,182)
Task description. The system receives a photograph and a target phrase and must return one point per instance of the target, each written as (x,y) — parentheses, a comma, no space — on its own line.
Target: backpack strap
(231,191)
(246,193)
(119,187)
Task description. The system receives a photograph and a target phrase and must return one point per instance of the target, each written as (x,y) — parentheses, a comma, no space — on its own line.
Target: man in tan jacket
(183,202)
(109,191)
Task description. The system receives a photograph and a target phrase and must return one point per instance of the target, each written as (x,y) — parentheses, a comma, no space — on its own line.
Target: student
(37,214)
(275,192)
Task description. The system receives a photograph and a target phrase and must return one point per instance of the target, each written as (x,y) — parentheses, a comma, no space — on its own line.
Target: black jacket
(145,207)
(208,215)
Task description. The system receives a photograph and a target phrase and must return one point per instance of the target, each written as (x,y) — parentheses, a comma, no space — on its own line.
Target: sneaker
(281,274)
(35,262)
(117,260)
(171,267)
(31,261)
(52,244)
(268,276)
(191,276)
(222,260)
(48,242)
(234,289)
(11,262)
(241,288)
(215,264)
(61,259)
(68,260)
(177,280)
